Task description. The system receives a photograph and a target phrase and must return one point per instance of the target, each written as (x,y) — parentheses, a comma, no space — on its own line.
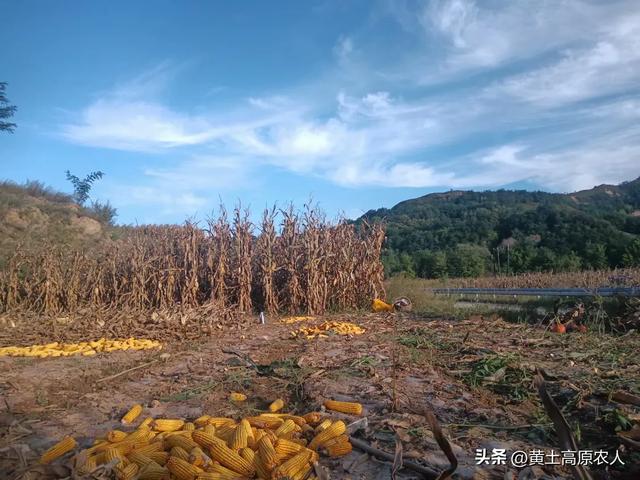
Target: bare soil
(476,375)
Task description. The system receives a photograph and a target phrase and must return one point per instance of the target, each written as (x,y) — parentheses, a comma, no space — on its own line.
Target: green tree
(569,262)
(6,110)
(81,188)
(545,260)
(467,261)
(595,256)
(431,264)
(631,255)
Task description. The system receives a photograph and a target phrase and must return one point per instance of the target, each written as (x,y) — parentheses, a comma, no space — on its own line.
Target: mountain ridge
(591,228)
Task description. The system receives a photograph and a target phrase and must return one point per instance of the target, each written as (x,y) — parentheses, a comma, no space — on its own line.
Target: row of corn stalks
(623,277)
(291,262)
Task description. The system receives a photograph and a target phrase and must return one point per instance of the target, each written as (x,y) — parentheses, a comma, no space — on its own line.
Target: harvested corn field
(477,376)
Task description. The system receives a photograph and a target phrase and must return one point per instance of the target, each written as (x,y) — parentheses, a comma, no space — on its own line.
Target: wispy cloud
(540,92)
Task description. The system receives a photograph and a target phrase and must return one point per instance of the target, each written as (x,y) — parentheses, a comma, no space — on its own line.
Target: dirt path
(476,375)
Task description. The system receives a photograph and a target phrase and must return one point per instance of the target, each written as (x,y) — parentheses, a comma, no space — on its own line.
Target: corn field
(623,277)
(291,262)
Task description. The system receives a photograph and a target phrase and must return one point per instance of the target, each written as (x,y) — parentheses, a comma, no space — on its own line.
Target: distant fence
(543,292)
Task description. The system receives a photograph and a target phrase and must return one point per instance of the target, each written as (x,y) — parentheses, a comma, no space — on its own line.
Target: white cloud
(483,34)
(610,65)
(137,126)
(356,127)
(343,49)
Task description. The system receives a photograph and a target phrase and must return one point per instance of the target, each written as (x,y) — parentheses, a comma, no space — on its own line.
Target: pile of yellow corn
(337,328)
(268,446)
(295,319)
(56,349)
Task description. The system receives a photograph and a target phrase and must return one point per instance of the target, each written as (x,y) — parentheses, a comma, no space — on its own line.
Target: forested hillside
(462,233)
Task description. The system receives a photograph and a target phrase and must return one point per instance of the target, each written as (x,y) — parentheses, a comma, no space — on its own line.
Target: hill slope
(32,215)
(464,233)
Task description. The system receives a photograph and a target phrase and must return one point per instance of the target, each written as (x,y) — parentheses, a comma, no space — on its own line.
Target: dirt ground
(476,375)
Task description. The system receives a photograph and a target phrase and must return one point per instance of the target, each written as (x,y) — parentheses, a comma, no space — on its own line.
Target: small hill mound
(32,215)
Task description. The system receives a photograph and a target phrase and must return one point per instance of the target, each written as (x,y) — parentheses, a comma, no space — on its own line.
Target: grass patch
(502,375)
(188,393)
(420,338)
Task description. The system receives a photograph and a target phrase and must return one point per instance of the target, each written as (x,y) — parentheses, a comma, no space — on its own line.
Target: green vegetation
(502,375)
(470,234)
(6,110)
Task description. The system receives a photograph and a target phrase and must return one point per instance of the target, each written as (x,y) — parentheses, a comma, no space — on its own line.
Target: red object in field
(582,328)
(558,327)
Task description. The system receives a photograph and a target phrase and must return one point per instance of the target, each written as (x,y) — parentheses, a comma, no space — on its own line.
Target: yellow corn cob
(225,432)
(116,436)
(247,454)
(123,447)
(247,428)
(88,466)
(323,425)
(313,418)
(260,465)
(132,414)
(202,420)
(210,429)
(333,430)
(271,435)
(237,397)
(198,458)
(284,447)
(159,457)
(339,449)
(224,472)
(139,434)
(182,469)
(350,408)
(167,424)
(340,438)
(139,459)
(276,405)
(299,421)
(258,433)
(184,433)
(268,453)
(217,476)
(59,449)
(153,471)
(146,449)
(180,453)
(146,422)
(287,427)
(181,441)
(238,439)
(292,466)
(265,422)
(302,474)
(220,421)
(205,439)
(127,473)
(314,455)
(189,427)
(111,454)
(230,459)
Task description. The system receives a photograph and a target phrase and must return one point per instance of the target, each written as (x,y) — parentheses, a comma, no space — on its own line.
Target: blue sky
(355,104)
